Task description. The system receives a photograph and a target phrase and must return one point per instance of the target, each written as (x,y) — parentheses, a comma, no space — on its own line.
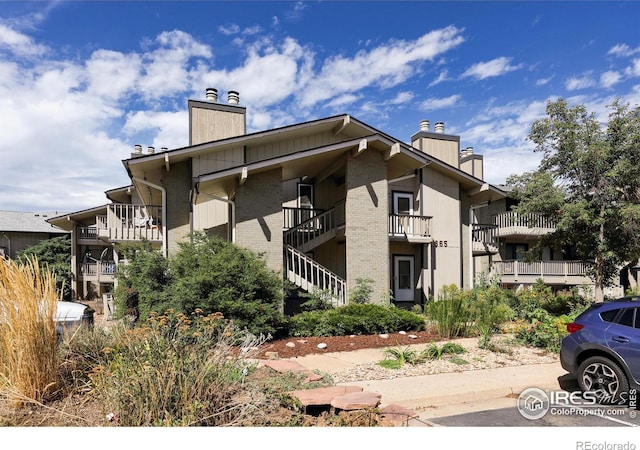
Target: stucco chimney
(233,97)
(151,150)
(424,125)
(438,127)
(211,94)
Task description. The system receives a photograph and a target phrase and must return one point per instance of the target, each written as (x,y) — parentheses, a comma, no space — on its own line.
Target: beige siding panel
(219,160)
(332,256)
(210,215)
(178,184)
(442,202)
(211,125)
(289,146)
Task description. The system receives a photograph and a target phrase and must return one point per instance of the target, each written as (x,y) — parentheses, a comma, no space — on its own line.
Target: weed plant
(179,370)
(28,341)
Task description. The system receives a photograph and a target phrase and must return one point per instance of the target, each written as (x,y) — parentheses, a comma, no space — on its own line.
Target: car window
(627,317)
(608,316)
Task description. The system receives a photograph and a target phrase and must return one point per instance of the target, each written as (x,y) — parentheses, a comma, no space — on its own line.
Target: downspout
(164,211)
(232,225)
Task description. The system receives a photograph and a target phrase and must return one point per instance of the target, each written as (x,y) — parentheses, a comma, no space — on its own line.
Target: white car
(70,315)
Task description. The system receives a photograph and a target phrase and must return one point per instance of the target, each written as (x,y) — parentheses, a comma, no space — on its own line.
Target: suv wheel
(603,377)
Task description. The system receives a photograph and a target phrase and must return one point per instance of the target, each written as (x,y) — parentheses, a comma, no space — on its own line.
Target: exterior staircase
(304,271)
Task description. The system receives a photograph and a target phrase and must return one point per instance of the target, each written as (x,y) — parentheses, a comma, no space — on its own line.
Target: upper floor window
(305,195)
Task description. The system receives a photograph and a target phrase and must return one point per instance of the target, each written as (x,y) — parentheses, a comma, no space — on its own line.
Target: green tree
(207,274)
(54,253)
(588,183)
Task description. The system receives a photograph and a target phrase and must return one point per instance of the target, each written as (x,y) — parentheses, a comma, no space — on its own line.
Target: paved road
(504,413)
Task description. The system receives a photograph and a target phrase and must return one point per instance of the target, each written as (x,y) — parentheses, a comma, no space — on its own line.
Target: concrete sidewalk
(446,393)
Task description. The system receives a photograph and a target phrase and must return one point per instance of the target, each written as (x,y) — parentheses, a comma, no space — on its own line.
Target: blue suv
(602,349)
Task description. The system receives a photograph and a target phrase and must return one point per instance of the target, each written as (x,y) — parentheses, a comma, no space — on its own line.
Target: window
(627,317)
(608,316)
(516,251)
(305,195)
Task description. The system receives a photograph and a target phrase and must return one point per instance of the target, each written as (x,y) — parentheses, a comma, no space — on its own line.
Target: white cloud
(582,82)
(634,69)
(19,44)
(431,104)
(228,30)
(385,66)
(543,81)
(622,50)
(610,78)
(444,76)
(495,67)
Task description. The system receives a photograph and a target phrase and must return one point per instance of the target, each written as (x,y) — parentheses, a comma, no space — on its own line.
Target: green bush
(355,319)
(209,274)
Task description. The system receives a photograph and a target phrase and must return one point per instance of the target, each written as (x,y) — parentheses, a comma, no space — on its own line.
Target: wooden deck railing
(307,274)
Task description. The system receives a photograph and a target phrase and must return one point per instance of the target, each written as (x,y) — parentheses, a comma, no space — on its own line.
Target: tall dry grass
(28,342)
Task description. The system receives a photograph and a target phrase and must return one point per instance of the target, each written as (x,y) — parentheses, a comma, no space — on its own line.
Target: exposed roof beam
(362,146)
(166,161)
(393,151)
(346,121)
(243,175)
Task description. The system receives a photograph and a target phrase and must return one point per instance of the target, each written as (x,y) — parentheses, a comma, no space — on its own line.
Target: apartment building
(20,230)
(328,202)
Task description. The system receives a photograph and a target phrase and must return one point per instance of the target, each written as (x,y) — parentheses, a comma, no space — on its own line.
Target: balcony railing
(88,233)
(100,271)
(295,216)
(512,223)
(485,238)
(410,226)
(520,271)
(130,223)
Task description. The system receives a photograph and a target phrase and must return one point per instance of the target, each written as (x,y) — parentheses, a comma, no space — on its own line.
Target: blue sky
(82,82)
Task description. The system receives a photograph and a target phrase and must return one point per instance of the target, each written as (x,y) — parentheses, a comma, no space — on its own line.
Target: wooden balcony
(552,272)
(130,223)
(100,272)
(529,225)
(414,229)
(484,238)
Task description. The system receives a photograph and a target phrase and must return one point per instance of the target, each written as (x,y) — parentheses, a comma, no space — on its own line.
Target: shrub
(361,294)
(320,299)
(209,274)
(355,318)
(451,312)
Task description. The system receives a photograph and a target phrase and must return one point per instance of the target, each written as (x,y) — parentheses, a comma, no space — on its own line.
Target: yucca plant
(28,341)
(402,355)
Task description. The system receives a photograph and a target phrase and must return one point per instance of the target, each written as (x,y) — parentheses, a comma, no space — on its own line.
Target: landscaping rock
(290,345)
(356,400)
(322,345)
(323,396)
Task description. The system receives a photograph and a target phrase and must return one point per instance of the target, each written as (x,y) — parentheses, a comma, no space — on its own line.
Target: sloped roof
(28,222)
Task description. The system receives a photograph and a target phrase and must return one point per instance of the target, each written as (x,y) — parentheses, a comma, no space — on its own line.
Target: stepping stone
(324,395)
(284,366)
(397,415)
(356,400)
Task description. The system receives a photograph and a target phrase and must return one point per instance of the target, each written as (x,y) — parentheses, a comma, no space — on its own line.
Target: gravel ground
(474,358)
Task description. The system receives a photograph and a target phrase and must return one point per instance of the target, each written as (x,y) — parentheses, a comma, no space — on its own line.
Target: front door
(403,279)
(402,210)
